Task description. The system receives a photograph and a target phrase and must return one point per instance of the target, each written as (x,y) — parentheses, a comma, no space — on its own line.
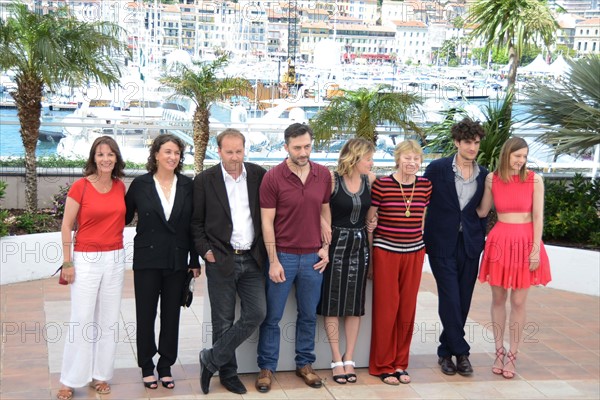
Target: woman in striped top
(400,200)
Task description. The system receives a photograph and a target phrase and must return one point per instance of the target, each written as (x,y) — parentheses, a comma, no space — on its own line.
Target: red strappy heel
(500,352)
(512,357)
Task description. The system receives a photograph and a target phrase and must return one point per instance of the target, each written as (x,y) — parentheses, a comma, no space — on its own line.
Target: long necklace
(408,202)
(166,189)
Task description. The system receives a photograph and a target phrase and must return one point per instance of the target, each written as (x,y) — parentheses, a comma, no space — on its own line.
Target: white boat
(132,124)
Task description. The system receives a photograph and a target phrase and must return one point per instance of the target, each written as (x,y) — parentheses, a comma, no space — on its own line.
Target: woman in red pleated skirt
(514,257)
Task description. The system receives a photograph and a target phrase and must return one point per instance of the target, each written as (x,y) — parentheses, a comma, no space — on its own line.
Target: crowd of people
(299,225)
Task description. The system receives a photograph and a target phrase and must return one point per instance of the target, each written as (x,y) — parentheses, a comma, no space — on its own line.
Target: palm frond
(570,113)
(497,125)
(48,50)
(358,112)
(203,84)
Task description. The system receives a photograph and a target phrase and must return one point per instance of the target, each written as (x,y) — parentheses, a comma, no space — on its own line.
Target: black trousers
(455,278)
(150,285)
(248,282)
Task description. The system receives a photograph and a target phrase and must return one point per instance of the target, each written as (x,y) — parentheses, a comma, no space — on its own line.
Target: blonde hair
(230,132)
(407,146)
(503,170)
(352,152)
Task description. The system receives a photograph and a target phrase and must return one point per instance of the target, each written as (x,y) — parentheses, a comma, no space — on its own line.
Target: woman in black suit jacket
(163,253)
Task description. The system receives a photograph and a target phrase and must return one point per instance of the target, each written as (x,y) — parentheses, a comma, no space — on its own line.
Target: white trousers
(93,332)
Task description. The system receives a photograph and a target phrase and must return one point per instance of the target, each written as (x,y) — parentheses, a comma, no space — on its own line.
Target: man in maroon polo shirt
(294,196)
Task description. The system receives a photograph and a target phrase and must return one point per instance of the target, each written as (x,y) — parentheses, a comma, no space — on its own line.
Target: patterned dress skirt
(345,278)
(506,258)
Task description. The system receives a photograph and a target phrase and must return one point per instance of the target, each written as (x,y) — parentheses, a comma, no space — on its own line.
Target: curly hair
(91,168)
(467,129)
(151,165)
(352,152)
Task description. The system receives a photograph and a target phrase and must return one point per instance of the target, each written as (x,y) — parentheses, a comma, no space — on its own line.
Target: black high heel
(168,384)
(341,378)
(151,384)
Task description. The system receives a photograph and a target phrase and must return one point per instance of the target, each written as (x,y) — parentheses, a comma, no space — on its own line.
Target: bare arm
(538,221)
(486,201)
(372,178)
(326,214)
(372,221)
(276,273)
(324,250)
(66,233)
(326,224)
(130,203)
(370,216)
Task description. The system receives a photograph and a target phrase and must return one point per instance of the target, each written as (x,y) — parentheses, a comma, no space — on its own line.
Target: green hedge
(571,211)
(3,212)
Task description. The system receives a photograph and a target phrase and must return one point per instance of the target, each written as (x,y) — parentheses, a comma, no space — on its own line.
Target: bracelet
(67,264)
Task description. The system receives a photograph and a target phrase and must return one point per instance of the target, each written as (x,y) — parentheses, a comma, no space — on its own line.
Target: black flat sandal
(383,378)
(400,375)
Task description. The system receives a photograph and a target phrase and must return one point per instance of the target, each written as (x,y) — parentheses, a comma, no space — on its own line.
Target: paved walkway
(561,358)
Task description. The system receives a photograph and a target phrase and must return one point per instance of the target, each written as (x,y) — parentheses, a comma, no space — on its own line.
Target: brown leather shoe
(309,375)
(263,382)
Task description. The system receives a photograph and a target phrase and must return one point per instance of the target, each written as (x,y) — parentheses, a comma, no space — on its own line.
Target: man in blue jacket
(454,238)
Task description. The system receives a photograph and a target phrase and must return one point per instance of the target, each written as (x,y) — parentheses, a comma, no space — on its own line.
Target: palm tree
(379,13)
(360,111)
(512,24)
(201,83)
(46,51)
(571,112)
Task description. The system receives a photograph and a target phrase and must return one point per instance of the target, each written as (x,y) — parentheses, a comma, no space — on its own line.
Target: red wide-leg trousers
(396,280)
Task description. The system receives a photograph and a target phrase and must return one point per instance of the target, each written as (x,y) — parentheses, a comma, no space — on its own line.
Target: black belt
(240,252)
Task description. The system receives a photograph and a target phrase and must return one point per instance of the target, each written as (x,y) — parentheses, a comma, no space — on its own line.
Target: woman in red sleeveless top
(514,257)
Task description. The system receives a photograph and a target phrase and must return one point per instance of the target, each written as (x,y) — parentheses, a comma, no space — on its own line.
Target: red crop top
(514,196)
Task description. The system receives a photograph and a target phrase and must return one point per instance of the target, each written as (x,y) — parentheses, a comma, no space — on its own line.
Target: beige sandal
(65,393)
(101,387)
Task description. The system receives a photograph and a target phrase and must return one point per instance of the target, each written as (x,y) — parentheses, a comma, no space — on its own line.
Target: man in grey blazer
(226,225)
(454,237)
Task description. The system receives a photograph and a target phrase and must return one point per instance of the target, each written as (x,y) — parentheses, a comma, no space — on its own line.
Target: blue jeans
(299,271)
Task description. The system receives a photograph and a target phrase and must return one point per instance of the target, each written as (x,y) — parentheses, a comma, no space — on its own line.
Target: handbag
(61,280)
(188,290)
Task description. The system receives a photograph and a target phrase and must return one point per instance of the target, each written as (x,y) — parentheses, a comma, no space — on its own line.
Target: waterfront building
(396,11)
(587,37)
(312,33)
(372,42)
(254,30)
(576,7)
(411,42)
(363,10)
(171,32)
